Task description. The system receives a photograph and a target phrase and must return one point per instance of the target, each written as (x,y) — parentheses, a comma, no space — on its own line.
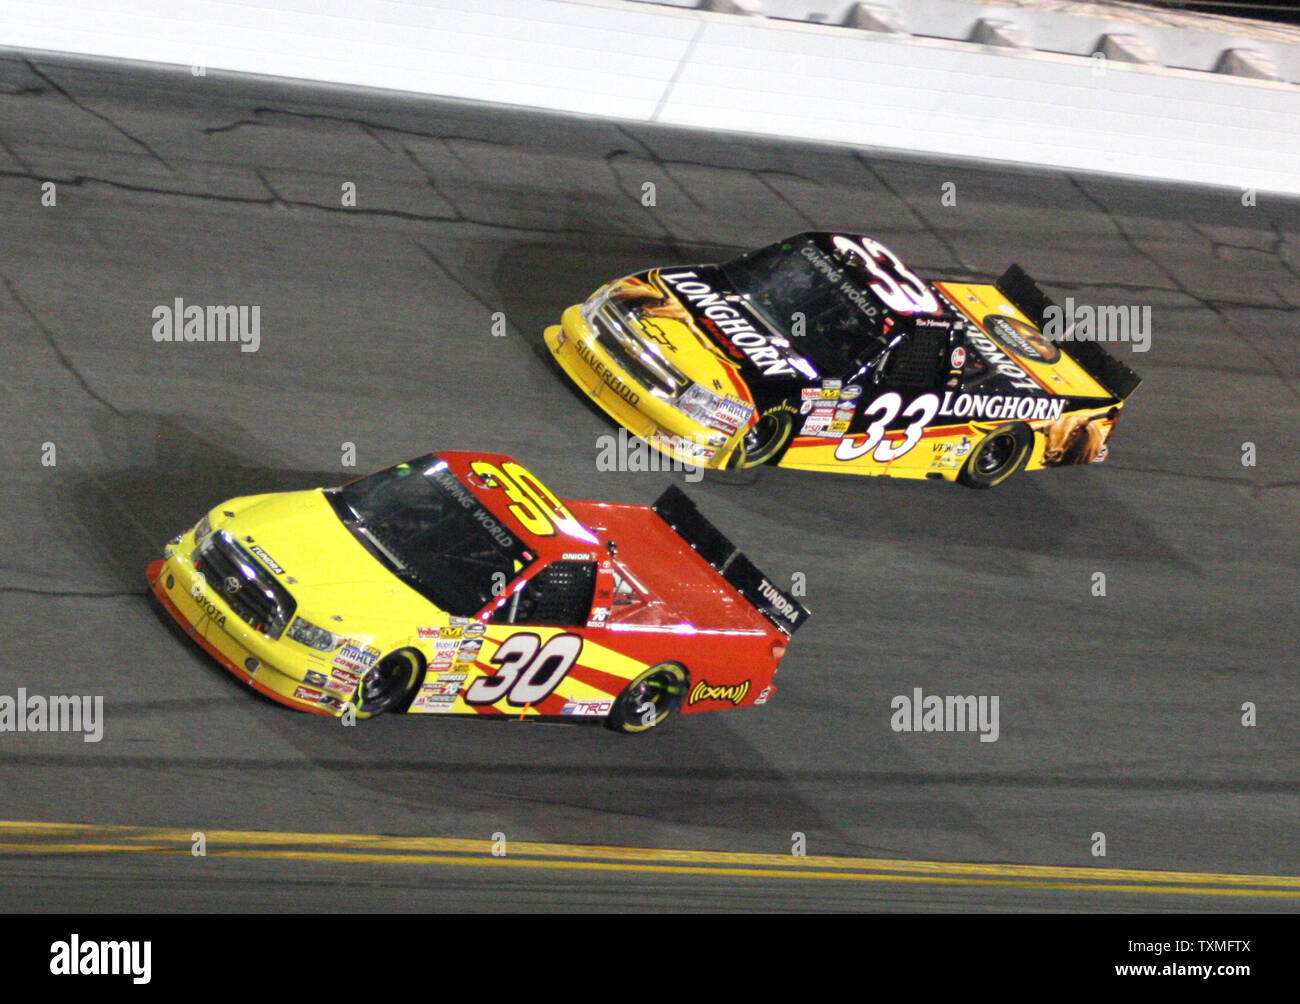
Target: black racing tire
(663,686)
(997,456)
(765,441)
(390,684)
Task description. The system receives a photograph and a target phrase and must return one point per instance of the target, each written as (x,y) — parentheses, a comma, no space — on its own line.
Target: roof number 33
(898,287)
(885,409)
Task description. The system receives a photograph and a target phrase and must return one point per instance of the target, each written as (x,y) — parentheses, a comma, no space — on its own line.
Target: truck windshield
(433,533)
(841,319)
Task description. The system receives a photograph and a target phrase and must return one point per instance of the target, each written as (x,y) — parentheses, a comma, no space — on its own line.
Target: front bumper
(629,403)
(263,664)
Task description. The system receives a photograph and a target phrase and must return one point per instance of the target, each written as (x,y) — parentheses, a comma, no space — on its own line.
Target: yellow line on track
(82,838)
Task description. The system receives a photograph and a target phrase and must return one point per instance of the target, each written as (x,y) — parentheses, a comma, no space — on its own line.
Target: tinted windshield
(798,277)
(434,534)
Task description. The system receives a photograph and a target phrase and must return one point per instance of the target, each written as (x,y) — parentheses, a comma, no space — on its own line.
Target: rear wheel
(998,456)
(390,683)
(764,441)
(649,699)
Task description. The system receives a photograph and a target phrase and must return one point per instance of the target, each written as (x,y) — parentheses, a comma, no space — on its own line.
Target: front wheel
(764,441)
(998,456)
(390,683)
(649,699)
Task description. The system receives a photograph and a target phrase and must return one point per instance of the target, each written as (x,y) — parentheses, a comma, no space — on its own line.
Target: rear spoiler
(679,512)
(1017,286)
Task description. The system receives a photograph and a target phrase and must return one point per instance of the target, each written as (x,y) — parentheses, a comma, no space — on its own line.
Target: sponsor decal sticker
(267,560)
(704,691)
(434,702)
(587,708)
(608,376)
(1000,361)
(357,658)
(343,682)
(1020,338)
(211,610)
(1001,407)
(734,329)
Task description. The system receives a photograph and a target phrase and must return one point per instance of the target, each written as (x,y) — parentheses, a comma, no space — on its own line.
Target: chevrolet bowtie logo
(655,333)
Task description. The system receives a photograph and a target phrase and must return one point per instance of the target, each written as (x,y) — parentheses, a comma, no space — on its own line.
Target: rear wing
(679,512)
(1017,286)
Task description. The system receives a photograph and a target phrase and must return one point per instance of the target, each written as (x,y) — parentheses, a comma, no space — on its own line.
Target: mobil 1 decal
(890,409)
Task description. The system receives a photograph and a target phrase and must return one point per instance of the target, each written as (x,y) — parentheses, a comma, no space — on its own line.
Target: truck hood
(300,540)
(706,329)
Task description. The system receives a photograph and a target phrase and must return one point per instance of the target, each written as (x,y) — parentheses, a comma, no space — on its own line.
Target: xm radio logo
(75,957)
(704,691)
(1111,323)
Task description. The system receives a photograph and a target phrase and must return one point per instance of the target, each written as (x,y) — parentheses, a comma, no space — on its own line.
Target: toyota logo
(232,584)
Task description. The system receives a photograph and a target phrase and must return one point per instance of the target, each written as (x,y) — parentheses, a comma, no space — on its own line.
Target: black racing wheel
(764,441)
(390,683)
(649,699)
(997,456)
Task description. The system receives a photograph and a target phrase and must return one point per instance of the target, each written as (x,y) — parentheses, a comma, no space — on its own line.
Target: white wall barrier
(643,62)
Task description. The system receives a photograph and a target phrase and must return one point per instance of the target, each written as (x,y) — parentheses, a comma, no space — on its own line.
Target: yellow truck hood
(298,537)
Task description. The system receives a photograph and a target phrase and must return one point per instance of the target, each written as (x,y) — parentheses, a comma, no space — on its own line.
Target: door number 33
(885,409)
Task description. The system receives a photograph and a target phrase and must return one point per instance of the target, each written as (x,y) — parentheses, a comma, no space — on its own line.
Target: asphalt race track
(1120,715)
